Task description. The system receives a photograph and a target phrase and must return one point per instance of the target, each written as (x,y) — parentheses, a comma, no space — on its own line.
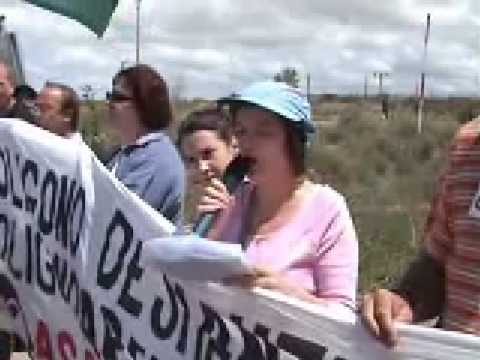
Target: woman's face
(123,116)
(206,155)
(261,137)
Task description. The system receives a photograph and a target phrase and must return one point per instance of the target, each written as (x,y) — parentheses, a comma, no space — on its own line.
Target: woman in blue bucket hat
(298,234)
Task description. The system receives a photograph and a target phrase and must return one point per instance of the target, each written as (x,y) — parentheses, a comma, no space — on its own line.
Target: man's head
(59,109)
(7,87)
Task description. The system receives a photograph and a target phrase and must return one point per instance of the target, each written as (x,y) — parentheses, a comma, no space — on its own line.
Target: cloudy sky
(207,48)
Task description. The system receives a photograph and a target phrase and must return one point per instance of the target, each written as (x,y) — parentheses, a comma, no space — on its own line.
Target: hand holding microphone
(218,194)
(215,197)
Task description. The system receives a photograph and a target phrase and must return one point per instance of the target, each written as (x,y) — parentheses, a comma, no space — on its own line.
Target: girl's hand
(215,197)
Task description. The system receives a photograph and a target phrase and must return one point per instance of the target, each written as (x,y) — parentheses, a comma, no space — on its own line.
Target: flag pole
(137,47)
(422,78)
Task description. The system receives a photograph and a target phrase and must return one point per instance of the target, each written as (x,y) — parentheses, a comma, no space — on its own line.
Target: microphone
(232,177)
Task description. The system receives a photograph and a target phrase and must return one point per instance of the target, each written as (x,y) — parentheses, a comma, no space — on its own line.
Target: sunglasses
(114,96)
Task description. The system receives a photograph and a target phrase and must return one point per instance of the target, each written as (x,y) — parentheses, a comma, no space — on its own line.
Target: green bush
(387,172)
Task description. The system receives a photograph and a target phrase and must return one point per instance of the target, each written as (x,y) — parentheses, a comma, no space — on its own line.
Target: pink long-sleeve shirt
(317,249)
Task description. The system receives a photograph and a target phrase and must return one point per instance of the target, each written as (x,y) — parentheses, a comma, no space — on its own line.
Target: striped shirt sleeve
(438,236)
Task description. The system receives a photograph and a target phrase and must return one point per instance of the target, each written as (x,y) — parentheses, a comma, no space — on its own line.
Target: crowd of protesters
(298,234)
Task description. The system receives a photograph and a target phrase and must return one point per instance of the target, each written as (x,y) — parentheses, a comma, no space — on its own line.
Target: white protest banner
(73,279)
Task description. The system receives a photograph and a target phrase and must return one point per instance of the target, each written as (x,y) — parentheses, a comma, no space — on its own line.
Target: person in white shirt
(59,110)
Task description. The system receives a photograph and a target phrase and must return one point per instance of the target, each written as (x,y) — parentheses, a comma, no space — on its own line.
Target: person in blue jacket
(147,163)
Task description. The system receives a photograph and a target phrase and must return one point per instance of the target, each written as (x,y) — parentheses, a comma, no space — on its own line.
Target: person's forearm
(423,286)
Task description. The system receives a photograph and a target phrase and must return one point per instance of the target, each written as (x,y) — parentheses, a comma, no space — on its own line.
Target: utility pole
(477,85)
(308,88)
(422,77)
(10,51)
(477,75)
(383,97)
(380,75)
(137,48)
(365,87)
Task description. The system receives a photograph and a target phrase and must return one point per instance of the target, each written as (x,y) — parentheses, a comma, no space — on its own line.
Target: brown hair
(296,140)
(212,119)
(70,103)
(150,95)
(296,146)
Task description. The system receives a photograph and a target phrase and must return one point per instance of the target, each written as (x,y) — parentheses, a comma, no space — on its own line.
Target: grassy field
(384,168)
(387,172)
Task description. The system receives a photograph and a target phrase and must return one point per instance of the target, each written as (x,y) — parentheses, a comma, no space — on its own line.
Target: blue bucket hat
(288,102)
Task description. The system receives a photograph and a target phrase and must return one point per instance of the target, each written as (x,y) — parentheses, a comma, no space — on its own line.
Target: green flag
(94,14)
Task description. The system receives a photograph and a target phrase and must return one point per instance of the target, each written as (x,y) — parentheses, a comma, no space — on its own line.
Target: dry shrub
(387,172)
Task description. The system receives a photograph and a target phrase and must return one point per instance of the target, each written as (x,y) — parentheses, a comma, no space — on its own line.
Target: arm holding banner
(314,258)
(194,258)
(420,294)
(271,280)
(423,287)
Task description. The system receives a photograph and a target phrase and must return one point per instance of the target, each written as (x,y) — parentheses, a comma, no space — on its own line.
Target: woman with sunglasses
(147,162)
(298,235)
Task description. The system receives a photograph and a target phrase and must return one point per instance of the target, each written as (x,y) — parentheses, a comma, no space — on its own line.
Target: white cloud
(214,46)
